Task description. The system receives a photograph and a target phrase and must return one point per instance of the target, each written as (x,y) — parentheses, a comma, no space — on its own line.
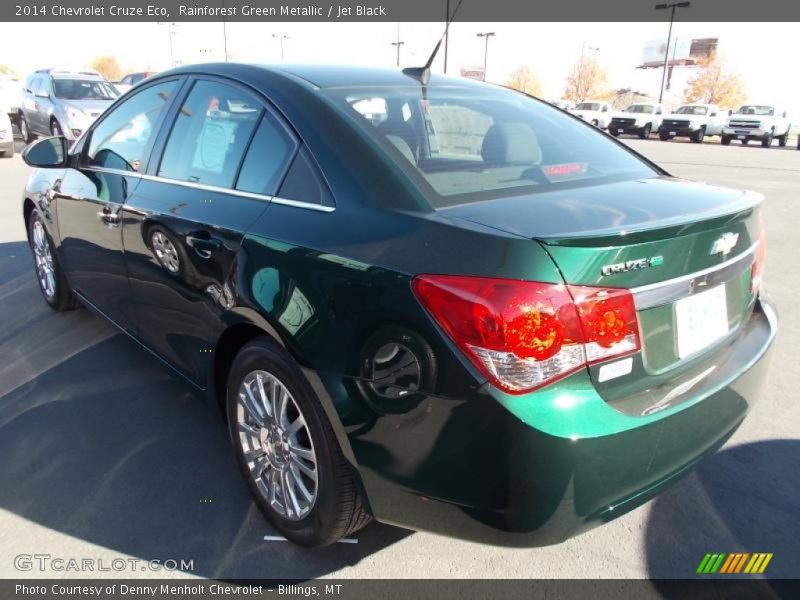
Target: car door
(33,104)
(213,173)
(90,196)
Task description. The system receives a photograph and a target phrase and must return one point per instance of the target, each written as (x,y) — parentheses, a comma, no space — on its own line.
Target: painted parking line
(280,538)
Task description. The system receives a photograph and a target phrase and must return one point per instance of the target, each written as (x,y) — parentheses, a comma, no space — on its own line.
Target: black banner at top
(395,10)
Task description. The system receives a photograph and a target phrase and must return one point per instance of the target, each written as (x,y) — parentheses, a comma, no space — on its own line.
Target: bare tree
(716,83)
(6,70)
(523,80)
(587,80)
(108,67)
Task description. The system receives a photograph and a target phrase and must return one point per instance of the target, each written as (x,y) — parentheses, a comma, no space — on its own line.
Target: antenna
(423,74)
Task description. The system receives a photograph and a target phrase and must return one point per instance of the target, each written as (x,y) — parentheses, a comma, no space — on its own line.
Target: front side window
(120,140)
(210,135)
(83,89)
(468,144)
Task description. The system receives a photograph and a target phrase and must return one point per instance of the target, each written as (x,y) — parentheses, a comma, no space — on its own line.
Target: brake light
(522,334)
(757,271)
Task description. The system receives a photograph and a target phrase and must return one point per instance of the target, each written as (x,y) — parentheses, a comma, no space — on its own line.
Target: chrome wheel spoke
(251,405)
(301,452)
(298,424)
(248,429)
(298,480)
(301,467)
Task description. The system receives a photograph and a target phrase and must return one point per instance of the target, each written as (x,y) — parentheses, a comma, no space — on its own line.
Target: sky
(757,51)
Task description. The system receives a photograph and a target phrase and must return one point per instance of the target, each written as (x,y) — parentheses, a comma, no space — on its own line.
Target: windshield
(640,108)
(588,106)
(762,111)
(692,110)
(83,89)
(465,145)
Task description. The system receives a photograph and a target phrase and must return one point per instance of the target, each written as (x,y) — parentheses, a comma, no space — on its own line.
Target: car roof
(67,75)
(329,76)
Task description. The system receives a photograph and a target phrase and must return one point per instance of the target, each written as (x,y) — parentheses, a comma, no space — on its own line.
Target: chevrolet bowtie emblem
(724,244)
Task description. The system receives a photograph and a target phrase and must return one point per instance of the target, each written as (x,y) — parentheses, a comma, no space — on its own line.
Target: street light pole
(446,32)
(397,44)
(280,38)
(486,35)
(673,6)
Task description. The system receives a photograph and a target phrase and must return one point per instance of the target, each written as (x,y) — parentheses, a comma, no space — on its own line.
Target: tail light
(522,334)
(757,272)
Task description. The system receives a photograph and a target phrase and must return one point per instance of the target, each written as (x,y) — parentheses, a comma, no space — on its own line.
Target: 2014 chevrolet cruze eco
(449,306)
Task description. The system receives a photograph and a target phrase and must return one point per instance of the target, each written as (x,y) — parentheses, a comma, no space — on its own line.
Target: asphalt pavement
(106,455)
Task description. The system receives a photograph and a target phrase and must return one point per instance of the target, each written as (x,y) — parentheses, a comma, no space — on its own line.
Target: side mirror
(730,112)
(784,114)
(713,114)
(48,152)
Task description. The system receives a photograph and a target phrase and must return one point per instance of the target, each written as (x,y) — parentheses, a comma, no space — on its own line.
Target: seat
(511,144)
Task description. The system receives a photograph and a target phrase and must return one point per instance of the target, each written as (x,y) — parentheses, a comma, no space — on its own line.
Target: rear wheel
(49,274)
(25,130)
(725,140)
(645,132)
(287,450)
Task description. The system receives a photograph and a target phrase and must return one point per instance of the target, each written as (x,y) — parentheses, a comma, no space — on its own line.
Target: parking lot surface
(106,455)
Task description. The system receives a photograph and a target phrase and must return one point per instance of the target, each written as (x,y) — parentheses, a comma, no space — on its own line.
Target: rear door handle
(204,247)
(108,217)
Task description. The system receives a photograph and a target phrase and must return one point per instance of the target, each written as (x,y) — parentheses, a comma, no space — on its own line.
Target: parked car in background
(596,112)
(131,79)
(6,136)
(563,104)
(10,95)
(426,300)
(695,121)
(62,103)
(640,119)
(758,122)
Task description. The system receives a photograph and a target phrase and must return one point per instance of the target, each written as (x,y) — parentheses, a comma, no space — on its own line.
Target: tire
(697,136)
(8,153)
(55,128)
(645,132)
(336,508)
(25,129)
(52,283)
(664,137)
(725,140)
(783,139)
(614,132)
(766,141)
(745,142)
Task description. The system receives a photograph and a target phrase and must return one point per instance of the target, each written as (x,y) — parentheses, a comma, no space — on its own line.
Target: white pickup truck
(640,118)
(596,112)
(759,122)
(694,121)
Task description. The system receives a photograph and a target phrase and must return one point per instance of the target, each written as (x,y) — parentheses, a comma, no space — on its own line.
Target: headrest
(403,146)
(511,143)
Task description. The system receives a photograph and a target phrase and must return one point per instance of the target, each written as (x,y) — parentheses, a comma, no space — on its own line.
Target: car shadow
(103,443)
(743,499)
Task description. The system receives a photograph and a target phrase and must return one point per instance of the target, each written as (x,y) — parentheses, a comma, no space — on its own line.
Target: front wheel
(698,136)
(49,274)
(664,137)
(725,140)
(766,141)
(287,450)
(55,128)
(645,132)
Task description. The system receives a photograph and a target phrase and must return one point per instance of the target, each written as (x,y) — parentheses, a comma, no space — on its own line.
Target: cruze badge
(724,244)
(632,265)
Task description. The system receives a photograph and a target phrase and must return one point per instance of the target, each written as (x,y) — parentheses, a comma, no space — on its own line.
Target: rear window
(467,145)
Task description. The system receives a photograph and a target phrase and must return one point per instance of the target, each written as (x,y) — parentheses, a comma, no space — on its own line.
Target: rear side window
(303,183)
(120,140)
(266,158)
(210,135)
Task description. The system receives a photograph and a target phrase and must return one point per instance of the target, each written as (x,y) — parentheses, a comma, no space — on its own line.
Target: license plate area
(701,320)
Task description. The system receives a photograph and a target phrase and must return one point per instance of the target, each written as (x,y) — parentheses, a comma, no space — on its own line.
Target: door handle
(108,217)
(204,247)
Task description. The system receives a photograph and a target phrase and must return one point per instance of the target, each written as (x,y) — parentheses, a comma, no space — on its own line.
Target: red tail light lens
(523,334)
(757,272)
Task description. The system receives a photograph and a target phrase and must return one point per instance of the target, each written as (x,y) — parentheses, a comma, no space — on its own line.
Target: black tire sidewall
(316,528)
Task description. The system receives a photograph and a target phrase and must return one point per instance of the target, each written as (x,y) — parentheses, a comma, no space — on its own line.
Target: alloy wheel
(45,270)
(277,446)
(166,253)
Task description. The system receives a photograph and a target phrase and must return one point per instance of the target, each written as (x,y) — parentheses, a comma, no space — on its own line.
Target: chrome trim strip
(217,189)
(665,292)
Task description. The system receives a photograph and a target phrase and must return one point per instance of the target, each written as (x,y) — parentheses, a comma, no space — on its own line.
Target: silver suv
(62,103)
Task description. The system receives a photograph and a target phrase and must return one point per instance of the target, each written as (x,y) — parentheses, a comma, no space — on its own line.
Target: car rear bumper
(525,475)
